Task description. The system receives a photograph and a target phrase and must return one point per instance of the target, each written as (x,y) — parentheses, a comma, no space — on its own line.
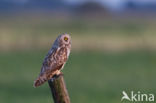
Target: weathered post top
(58,89)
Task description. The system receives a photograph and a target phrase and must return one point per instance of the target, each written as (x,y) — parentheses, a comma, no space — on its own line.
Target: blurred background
(113,48)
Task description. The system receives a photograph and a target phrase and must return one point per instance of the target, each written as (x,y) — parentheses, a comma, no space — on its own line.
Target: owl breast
(68,52)
(62,55)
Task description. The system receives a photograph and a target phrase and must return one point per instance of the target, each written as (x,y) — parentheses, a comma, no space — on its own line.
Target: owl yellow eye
(65,38)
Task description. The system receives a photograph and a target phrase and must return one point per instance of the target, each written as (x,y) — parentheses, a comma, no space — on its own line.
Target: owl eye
(66,39)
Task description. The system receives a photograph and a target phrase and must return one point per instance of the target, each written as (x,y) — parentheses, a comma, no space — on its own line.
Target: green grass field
(109,33)
(109,55)
(91,77)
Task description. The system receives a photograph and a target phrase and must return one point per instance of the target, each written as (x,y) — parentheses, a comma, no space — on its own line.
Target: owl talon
(52,79)
(56,76)
(61,74)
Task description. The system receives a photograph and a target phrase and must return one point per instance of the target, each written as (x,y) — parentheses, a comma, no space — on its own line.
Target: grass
(19,26)
(26,32)
(109,55)
(91,77)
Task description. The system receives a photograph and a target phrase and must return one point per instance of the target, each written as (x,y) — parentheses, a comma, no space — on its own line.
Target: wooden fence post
(58,89)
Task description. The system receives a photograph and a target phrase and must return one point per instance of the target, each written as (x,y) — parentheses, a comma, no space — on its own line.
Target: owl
(55,59)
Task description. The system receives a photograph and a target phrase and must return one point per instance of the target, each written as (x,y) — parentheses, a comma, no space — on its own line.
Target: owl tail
(39,81)
(44,77)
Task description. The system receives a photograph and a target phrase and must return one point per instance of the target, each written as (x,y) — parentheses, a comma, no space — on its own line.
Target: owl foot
(56,76)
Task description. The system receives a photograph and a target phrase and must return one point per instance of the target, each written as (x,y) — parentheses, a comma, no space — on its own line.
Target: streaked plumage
(55,59)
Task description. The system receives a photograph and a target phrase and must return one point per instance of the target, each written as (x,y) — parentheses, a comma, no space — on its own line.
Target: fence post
(58,89)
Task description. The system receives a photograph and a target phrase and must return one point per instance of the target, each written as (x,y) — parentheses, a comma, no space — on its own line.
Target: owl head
(65,39)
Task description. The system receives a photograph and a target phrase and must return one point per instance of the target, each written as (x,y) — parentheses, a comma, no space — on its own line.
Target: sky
(108,2)
(111,4)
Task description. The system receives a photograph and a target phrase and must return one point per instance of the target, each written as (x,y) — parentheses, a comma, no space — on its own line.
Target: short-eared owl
(55,59)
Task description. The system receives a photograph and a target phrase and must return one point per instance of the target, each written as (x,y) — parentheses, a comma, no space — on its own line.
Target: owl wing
(53,62)
(49,61)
